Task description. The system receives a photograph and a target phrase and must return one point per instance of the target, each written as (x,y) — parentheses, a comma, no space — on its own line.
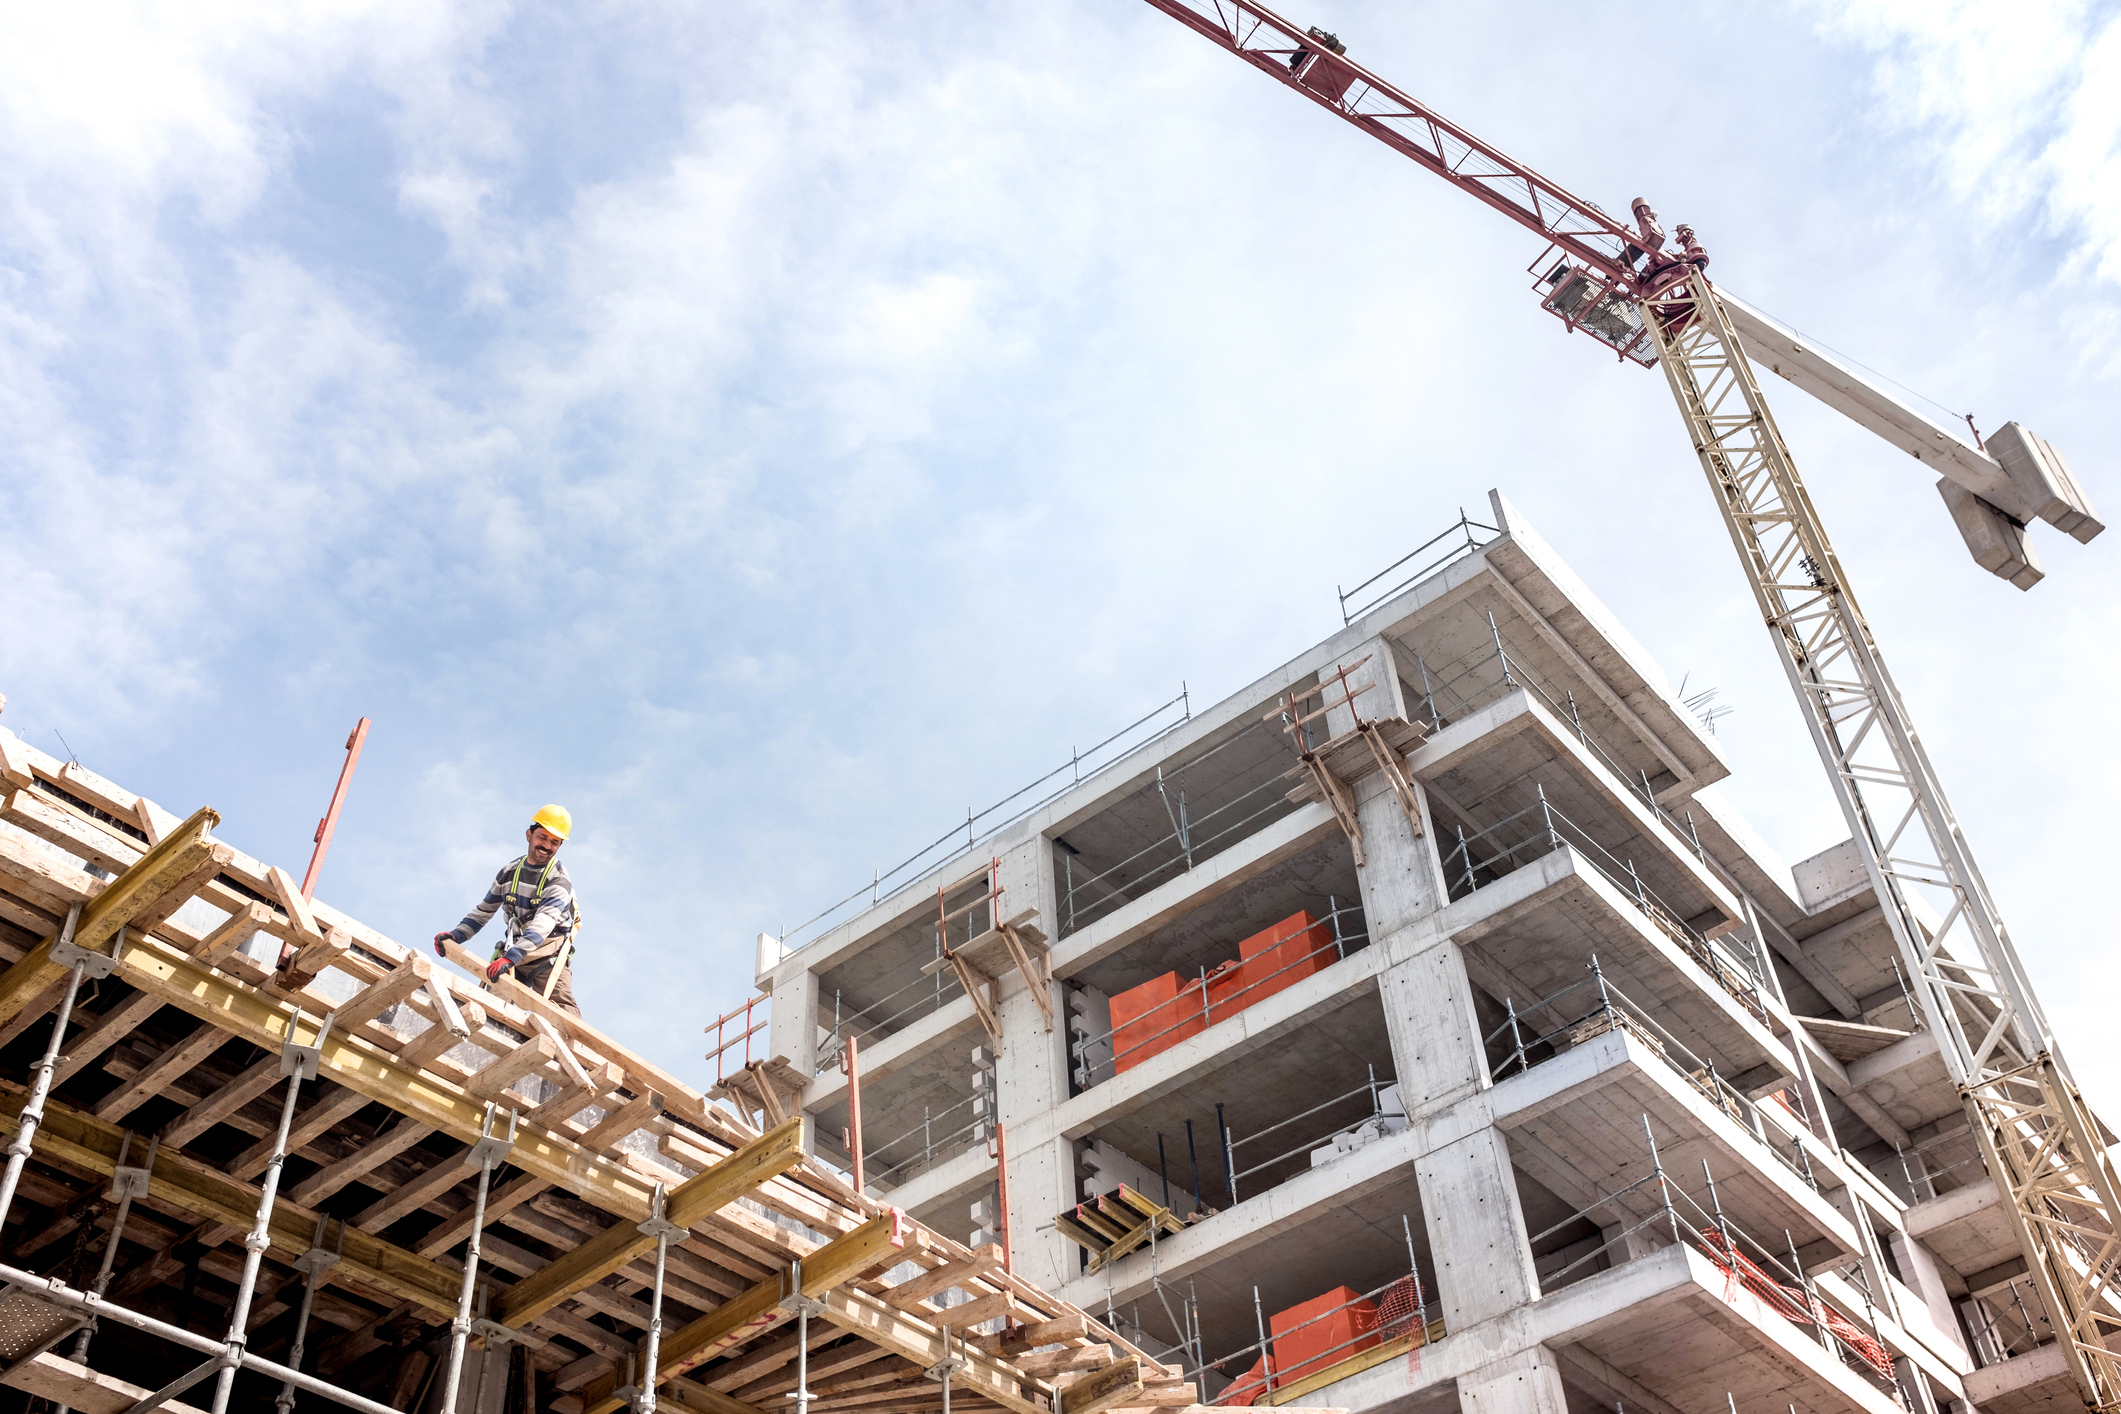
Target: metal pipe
(260,1236)
(58,1294)
(117,1232)
(1224,1131)
(33,1113)
(1194,1155)
(460,1328)
(313,1263)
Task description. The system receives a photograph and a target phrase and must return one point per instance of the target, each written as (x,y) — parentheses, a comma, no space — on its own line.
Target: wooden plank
(378,997)
(776,1151)
(155,966)
(499,1204)
(1119,1383)
(139,887)
(362,1161)
(901,1334)
(289,893)
(978,1309)
(415,1193)
(15,760)
(72,1386)
(252,918)
(622,1121)
(1045,1364)
(493,1081)
(106,1031)
(172,1063)
(744,1318)
(702,1399)
(72,1137)
(325,1112)
(908,1294)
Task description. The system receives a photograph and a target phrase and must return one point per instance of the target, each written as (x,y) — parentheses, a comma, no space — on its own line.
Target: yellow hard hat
(556,819)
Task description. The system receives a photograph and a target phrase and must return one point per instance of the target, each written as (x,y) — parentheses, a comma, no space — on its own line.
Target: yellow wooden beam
(1113,1387)
(87,1142)
(746,1317)
(244,1011)
(913,1339)
(182,853)
(775,1152)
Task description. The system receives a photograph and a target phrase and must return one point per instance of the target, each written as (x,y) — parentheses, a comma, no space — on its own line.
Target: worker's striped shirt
(532,917)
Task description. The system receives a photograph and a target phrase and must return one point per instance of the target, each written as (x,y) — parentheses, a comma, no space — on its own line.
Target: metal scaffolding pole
(126,1184)
(312,1264)
(84,964)
(802,1308)
(483,1155)
(662,1230)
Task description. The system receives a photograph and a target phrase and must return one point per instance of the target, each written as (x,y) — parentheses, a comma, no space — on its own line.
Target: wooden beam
(162,910)
(15,760)
(499,1203)
(289,893)
(1117,1385)
(162,868)
(175,1061)
(252,918)
(72,1137)
(222,1103)
(744,1318)
(510,1066)
(978,1309)
(327,1111)
(364,1160)
(444,1175)
(703,1399)
(612,1185)
(106,1031)
(904,1335)
(72,1386)
(378,997)
(622,1121)
(908,1294)
(774,1152)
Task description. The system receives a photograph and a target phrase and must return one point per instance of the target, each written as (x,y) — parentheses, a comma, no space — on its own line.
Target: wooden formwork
(180,1047)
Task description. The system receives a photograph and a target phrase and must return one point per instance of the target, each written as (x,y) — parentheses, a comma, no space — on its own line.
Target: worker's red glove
(495,968)
(440,938)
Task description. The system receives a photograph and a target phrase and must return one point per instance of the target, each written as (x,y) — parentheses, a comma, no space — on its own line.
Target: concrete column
(1031,1078)
(1436,1041)
(794,1032)
(1476,1229)
(1528,1382)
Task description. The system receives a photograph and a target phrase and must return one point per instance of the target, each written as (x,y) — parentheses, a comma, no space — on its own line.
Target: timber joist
(183,1045)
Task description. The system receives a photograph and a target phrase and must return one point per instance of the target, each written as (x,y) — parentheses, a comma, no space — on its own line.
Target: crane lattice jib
(2041,1144)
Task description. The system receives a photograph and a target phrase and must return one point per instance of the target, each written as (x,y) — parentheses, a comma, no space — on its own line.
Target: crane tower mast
(1618,283)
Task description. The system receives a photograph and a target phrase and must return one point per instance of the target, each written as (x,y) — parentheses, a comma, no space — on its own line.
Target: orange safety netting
(1794,1306)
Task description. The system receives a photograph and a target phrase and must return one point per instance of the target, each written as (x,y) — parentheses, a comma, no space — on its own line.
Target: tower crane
(1651,301)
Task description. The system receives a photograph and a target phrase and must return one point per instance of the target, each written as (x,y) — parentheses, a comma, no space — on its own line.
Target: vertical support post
(482,1154)
(312,1265)
(1001,1176)
(1501,656)
(126,1184)
(1266,1351)
(33,1113)
(1229,1159)
(1193,1155)
(662,1230)
(853,1069)
(298,1063)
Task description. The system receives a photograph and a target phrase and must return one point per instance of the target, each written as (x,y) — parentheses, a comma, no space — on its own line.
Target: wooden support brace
(299,917)
(1116,1386)
(744,1318)
(493,1081)
(362,1161)
(108,1029)
(774,1152)
(1336,796)
(622,1121)
(165,1068)
(15,760)
(909,1294)
(1395,774)
(1035,976)
(224,1102)
(916,1340)
(140,887)
(253,917)
(84,1141)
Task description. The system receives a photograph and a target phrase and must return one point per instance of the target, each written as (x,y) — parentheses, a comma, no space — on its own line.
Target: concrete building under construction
(1419,1024)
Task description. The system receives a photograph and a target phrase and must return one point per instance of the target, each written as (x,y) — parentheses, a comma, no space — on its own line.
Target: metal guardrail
(1607,1008)
(1461,542)
(1544,829)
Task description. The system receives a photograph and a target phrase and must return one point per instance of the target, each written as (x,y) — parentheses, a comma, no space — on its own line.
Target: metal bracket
(491,1148)
(657,1225)
(98,965)
(298,1059)
(494,1336)
(794,1302)
(127,1182)
(316,1261)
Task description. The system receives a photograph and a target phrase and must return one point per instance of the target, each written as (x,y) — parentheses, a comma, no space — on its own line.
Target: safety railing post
(1664,1185)
(484,1156)
(1266,1351)
(1516,1035)
(1428,698)
(1723,1226)
(1811,1298)
(1504,657)
(1465,856)
(1229,1159)
(1546,815)
(80,964)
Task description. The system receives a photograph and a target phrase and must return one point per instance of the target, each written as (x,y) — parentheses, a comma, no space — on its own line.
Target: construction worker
(536,900)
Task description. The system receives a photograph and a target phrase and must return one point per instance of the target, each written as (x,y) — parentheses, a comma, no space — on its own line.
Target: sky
(772,429)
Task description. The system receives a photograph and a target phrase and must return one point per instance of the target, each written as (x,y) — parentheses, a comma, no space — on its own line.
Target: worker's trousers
(535,975)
